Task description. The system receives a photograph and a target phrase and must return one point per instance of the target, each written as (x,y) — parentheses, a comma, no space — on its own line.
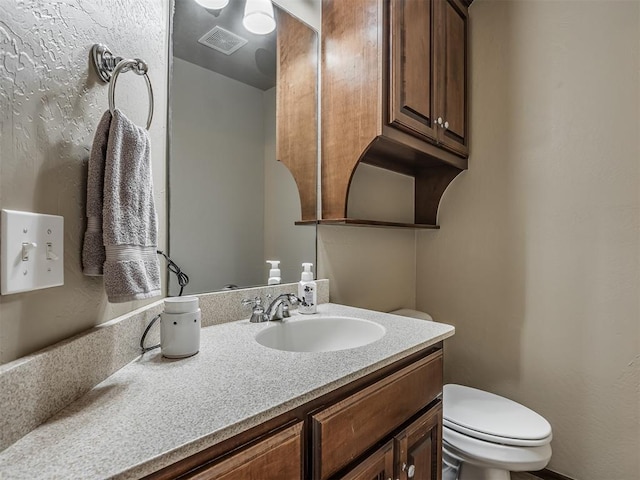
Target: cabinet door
(412,72)
(451,62)
(346,430)
(378,466)
(275,458)
(419,447)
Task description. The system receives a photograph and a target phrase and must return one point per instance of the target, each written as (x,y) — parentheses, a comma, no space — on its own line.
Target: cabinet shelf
(357,222)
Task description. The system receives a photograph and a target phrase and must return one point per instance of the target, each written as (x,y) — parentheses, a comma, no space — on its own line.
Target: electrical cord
(144,335)
(183,278)
(183,281)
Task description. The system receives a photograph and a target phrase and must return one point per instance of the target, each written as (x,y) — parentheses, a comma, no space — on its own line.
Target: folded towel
(129,223)
(93,254)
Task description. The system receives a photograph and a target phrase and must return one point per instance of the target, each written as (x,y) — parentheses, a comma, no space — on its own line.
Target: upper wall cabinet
(394,95)
(427,88)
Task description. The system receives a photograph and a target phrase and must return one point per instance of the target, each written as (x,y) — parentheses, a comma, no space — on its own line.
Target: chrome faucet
(279,308)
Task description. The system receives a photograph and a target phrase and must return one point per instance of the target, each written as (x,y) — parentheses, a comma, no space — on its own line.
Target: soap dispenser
(307,290)
(274,273)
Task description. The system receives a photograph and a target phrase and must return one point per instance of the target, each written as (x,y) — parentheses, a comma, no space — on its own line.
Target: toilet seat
(464,448)
(507,441)
(492,418)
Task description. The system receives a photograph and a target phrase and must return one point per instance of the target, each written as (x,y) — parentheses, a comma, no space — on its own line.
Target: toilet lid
(490,417)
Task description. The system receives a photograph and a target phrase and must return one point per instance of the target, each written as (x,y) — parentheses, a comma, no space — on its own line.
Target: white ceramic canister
(180,327)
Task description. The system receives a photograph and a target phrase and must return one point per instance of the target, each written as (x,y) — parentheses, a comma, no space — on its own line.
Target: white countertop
(156,411)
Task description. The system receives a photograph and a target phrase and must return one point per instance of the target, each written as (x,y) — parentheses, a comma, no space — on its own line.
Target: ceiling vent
(222,40)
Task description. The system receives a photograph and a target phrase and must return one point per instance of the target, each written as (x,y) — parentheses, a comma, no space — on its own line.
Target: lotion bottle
(307,290)
(274,273)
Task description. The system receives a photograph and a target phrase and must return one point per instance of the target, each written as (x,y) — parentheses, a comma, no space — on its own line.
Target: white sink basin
(319,334)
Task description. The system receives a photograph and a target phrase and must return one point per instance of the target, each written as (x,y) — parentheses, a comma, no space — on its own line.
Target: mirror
(241,107)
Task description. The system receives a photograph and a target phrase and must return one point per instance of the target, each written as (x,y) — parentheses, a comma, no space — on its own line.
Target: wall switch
(31,251)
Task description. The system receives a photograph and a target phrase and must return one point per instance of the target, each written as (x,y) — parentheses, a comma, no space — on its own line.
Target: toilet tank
(407,312)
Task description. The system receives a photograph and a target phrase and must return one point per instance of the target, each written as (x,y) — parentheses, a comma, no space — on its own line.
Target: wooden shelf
(357,222)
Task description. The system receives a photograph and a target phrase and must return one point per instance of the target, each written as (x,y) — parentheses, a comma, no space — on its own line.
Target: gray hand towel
(93,254)
(129,224)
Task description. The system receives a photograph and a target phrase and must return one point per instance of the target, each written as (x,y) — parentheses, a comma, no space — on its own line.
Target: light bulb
(213,4)
(258,17)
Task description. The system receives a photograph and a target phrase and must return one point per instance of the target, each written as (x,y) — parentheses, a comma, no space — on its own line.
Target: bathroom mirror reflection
(232,204)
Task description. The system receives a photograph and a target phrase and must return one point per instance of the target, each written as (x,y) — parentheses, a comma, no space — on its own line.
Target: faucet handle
(293,299)
(253,302)
(257,315)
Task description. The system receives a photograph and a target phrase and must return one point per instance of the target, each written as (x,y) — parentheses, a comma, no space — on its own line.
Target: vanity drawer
(274,458)
(347,429)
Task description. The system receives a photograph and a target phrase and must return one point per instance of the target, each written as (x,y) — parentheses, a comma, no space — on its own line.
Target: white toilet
(486,436)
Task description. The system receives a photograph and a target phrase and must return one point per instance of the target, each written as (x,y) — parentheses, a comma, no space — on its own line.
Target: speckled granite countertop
(156,411)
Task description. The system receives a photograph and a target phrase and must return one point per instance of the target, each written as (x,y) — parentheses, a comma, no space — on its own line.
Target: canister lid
(181,304)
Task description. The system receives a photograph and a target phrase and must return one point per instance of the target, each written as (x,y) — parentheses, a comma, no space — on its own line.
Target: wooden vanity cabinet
(413,454)
(368,429)
(377,466)
(346,430)
(419,447)
(277,457)
(394,95)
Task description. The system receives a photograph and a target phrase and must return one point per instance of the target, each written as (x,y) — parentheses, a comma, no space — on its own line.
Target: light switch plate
(31,251)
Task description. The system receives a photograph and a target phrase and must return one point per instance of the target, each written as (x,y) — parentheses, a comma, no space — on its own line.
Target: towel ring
(108,67)
(138,67)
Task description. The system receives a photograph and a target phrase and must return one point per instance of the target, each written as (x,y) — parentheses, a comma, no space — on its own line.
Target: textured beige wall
(50,103)
(368,267)
(537,263)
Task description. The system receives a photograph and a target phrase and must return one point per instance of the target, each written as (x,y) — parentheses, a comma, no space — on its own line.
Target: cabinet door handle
(439,121)
(411,470)
(446,125)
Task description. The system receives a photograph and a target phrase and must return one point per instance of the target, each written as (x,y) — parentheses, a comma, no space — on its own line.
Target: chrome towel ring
(140,68)
(109,67)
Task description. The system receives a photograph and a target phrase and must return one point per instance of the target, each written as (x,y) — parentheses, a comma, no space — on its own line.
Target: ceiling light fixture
(259,17)
(213,4)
